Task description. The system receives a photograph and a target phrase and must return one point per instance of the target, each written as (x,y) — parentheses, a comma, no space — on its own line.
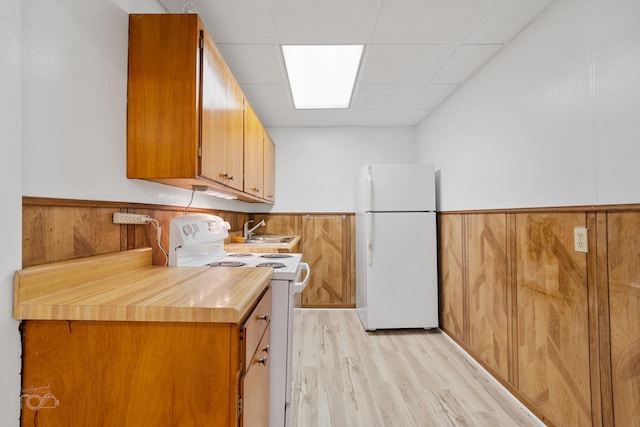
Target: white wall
(11,218)
(74,92)
(551,121)
(316,167)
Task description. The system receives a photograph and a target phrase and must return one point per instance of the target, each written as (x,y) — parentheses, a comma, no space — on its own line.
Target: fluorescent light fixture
(208,191)
(322,76)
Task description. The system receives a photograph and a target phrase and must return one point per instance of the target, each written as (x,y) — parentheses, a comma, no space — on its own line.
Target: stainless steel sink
(268,238)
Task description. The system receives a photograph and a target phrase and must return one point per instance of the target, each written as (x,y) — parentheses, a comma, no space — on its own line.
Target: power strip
(129,218)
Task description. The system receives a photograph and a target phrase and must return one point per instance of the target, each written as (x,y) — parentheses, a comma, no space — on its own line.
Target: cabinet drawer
(255,325)
(255,394)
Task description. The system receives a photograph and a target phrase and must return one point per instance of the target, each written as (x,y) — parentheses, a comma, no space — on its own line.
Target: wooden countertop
(262,247)
(125,286)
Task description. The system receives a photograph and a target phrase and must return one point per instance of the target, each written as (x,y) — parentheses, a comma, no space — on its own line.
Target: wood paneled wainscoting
(559,328)
(61,229)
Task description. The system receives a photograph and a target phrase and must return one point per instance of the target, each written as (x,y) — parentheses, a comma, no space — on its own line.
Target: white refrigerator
(396,244)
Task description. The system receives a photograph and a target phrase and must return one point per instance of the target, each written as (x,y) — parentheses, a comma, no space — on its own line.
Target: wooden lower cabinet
(91,373)
(327,246)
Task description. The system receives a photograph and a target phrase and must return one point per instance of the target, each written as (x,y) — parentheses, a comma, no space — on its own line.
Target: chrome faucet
(249,232)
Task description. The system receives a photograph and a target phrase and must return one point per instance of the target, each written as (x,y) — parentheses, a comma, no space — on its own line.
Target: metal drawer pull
(264,317)
(266,349)
(262,361)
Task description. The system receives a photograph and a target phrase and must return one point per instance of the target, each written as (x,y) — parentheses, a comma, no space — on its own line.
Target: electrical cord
(186,209)
(156,225)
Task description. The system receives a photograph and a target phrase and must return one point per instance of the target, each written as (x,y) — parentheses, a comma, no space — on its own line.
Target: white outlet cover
(580,239)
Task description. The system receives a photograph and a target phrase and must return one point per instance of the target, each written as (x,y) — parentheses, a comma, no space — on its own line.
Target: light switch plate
(580,239)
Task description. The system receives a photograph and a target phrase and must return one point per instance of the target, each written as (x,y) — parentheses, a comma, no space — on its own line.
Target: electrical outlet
(129,218)
(580,239)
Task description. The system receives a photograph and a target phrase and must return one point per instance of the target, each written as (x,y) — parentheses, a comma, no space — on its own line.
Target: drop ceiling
(416,54)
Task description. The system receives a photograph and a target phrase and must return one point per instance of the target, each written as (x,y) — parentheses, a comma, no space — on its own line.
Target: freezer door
(399,188)
(401,274)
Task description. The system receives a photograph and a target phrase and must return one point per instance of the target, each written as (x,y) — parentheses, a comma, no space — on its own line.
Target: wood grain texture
(109,288)
(131,373)
(451,270)
(292,246)
(57,229)
(253,153)
(222,136)
(488,290)
(553,324)
(624,298)
(324,238)
(163,96)
(269,168)
(344,376)
(56,233)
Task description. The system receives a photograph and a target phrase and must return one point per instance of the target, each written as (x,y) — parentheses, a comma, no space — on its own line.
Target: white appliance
(198,240)
(396,261)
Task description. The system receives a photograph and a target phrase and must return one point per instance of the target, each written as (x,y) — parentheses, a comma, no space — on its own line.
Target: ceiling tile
(428,21)
(392,64)
(433,95)
(263,97)
(323,117)
(505,20)
(324,22)
(409,46)
(465,61)
(384,96)
(236,21)
(251,63)
(387,117)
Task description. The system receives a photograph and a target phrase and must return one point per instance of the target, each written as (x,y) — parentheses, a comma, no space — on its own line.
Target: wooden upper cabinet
(163,99)
(269,168)
(185,118)
(222,120)
(253,153)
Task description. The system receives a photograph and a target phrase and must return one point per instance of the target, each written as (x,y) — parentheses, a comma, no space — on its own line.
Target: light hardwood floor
(347,377)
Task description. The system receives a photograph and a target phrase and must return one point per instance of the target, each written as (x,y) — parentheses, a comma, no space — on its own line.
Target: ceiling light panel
(322,76)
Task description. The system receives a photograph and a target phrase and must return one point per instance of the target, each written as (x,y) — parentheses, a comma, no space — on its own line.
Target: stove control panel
(198,229)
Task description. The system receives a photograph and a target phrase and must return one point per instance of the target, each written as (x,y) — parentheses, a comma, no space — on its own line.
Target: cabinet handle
(230,177)
(255,189)
(264,317)
(266,349)
(263,361)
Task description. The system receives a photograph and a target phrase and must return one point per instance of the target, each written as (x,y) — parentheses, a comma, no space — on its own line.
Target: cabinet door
(255,390)
(253,153)
(269,168)
(222,120)
(326,245)
(162,96)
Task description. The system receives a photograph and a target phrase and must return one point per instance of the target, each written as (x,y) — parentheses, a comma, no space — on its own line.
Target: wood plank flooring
(347,377)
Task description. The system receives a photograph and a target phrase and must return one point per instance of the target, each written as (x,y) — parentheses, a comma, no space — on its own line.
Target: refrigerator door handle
(369,190)
(369,237)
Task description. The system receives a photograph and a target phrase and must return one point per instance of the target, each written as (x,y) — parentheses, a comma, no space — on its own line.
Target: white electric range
(197,241)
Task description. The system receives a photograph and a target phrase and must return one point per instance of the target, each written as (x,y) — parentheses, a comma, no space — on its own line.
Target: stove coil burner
(275,256)
(240,255)
(227,264)
(271,264)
